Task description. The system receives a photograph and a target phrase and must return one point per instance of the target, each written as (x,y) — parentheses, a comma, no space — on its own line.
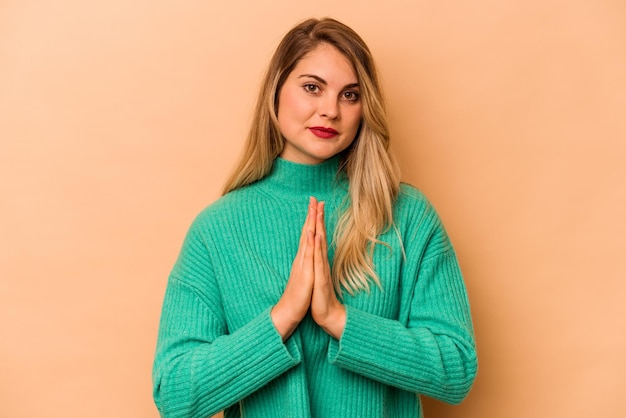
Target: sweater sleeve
(200,367)
(433,353)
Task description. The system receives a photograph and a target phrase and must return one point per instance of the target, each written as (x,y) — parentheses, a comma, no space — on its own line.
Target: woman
(267,314)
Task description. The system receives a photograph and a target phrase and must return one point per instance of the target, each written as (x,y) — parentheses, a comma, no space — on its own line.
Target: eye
(351,96)
(311,88)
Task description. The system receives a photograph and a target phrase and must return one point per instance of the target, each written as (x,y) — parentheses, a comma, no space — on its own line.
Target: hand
(326,309)
(296,299)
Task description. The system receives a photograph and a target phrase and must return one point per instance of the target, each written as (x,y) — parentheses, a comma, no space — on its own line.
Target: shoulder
(411,193)
(411,203)
(416,216)
(418,219)
(224,208)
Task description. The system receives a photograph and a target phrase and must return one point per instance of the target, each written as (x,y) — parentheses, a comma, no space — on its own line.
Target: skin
(309,285)
(322,90)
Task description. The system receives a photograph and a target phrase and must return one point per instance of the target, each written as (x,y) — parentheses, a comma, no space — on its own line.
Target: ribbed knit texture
(217,346)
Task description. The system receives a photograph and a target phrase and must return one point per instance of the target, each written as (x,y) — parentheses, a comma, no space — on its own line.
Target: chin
(320,158)
(324,155)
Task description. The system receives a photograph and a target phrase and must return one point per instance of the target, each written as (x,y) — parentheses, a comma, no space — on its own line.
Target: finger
(319,220)
(325,245)
(311,221)
(308,254)
(320,233)
(321,230)
(307,220)
(310,217)
(319,263)
(321,225)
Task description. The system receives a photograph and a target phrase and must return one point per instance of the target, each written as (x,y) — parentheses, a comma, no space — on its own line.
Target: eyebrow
(324,82)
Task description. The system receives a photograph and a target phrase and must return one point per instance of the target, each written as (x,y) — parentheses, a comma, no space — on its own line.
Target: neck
(298,180)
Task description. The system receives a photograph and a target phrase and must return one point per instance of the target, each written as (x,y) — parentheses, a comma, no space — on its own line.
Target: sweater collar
(303,180)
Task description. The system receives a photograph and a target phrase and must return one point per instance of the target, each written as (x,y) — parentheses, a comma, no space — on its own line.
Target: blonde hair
(367,163)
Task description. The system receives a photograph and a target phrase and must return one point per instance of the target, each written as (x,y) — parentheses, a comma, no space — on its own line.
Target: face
(319,107)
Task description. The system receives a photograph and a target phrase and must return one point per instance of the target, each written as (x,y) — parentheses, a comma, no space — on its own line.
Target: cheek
(291,106)
(354,117)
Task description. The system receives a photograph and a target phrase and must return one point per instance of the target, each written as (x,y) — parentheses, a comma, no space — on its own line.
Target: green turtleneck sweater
(218,349)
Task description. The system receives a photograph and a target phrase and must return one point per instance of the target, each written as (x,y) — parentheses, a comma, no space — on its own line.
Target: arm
(433,353)
(200,367)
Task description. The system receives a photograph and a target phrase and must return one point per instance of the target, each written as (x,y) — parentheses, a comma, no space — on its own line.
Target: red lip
(323,132)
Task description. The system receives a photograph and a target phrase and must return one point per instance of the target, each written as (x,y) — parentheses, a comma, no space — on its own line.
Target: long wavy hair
(372,173)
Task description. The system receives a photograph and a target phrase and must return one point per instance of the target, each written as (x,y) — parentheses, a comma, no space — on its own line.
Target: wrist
(336,322)
(284,321)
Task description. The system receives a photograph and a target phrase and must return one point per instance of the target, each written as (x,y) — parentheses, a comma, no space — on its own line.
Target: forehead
(327,62)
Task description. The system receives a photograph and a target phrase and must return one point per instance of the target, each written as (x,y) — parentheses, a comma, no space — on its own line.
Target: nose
(329,107)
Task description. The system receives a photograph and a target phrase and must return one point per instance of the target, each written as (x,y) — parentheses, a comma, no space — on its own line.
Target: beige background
(120,120)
